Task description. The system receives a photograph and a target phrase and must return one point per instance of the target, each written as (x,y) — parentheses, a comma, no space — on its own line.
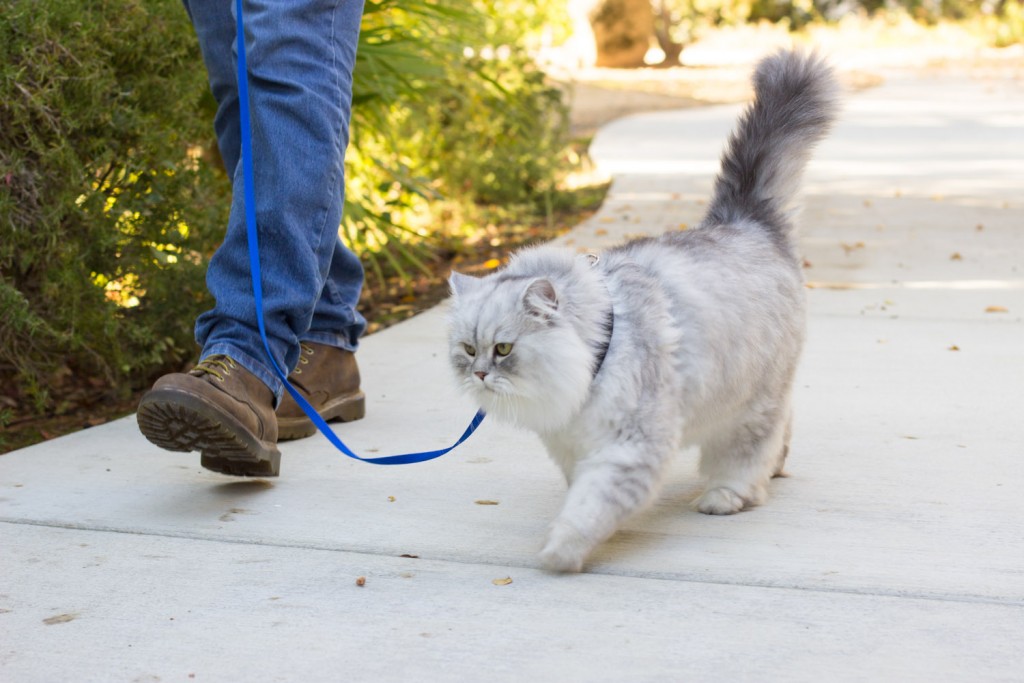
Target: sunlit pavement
(893,551)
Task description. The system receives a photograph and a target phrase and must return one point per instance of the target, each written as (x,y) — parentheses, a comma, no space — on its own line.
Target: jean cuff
(329,339)
(262,370)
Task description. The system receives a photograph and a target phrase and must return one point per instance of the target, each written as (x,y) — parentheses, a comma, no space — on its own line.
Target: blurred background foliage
(112,198)
(678,23)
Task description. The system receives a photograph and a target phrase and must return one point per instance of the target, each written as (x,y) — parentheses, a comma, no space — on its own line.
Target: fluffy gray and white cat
(691,338)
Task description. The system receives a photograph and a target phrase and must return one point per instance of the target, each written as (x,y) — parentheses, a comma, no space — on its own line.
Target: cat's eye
(503,349)
(471,350)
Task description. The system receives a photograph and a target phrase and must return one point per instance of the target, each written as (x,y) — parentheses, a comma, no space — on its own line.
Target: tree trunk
(663,32)
(622,32)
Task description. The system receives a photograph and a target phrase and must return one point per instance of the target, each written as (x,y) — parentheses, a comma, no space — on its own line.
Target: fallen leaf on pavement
(997,309)
(65,618)
(502,582)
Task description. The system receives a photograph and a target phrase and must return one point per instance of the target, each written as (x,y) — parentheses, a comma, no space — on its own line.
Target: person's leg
(327,375)
(336,322)
(214,24)
(300,59)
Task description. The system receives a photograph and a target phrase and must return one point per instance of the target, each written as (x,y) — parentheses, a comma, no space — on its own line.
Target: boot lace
(214,365)
(306,352)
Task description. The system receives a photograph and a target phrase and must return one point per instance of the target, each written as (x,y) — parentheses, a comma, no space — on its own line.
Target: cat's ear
(460,284)
(540,299)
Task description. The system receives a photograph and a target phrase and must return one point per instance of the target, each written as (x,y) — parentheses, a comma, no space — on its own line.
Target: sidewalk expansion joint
(880,592)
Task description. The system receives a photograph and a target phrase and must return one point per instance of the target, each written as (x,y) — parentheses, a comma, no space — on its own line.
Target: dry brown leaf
(65,618)
(391,499)
(955,256)
(600,232)
(361,581)
(997,309)
(502,582)
(486,502)
(954,347)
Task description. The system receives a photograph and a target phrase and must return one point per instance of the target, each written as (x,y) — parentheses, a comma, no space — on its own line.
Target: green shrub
(1009,25)
(106,216)
(447,106)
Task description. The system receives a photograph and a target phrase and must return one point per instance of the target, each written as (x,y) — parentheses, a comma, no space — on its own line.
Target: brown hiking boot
(328,378)
(219,409)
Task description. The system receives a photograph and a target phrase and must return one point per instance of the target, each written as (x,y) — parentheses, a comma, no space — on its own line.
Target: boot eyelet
(297,372)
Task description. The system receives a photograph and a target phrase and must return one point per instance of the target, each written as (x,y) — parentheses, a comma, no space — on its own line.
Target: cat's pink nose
(480,374)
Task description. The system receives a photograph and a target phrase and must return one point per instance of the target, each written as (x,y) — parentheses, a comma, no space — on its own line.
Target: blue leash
(257,288)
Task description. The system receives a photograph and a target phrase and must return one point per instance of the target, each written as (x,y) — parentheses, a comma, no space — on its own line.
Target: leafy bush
(448,105)
(1009,25)
(106,216)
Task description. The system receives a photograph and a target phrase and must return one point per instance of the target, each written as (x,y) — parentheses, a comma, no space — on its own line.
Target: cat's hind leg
(739,463)
(780,464)
(607,487)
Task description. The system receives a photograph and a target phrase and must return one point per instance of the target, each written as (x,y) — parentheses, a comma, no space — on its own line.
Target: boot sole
(182,422)
(344,409)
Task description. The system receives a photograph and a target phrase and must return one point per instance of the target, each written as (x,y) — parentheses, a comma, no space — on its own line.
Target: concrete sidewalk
(894,551)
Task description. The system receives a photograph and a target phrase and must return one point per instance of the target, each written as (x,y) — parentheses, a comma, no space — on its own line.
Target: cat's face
(514,353)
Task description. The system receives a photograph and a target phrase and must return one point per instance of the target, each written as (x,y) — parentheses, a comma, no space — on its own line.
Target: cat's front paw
(565,549)
(720,501)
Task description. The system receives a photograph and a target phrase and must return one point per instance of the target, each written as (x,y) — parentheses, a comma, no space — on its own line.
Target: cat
(621,360)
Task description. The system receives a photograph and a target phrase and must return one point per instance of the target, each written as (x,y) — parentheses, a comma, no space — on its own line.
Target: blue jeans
(300,55)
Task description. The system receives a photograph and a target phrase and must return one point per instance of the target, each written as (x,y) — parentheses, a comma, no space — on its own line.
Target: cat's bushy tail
(795,104)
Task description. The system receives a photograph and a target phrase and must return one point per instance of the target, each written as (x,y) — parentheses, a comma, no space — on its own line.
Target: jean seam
(337,138)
